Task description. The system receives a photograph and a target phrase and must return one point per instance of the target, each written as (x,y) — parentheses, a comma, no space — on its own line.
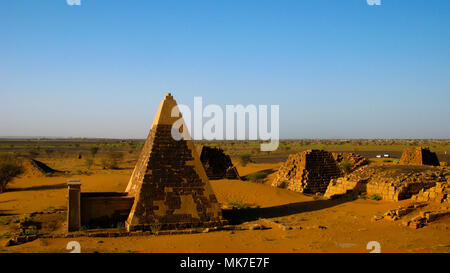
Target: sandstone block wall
(343,186)
(392,183)
(309,172)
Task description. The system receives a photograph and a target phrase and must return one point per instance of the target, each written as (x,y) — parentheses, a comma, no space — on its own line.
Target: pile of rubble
(419,156)
(440,193)
(309,172)
(388,182)
(356,160)
(396,214)
(419,218)
(217,164)
(426,217)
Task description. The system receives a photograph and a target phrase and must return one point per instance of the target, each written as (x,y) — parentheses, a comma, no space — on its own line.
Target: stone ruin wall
(104,209)
(419,156)
(387,191)
(309,172)
(440,193)
(392,192)
(343,186)
(357,160)
(386,184)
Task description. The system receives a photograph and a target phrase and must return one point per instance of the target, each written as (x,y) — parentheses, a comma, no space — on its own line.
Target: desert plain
(262,218)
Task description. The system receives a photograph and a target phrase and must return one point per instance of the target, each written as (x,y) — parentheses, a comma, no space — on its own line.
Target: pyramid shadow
(239,216)
(40,188)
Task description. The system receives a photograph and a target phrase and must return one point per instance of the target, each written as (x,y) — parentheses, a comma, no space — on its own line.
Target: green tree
(94,150)
(9,168)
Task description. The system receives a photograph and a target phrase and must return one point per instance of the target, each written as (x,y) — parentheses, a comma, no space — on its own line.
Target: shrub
(256,177)
(9,168)
(375,197)
(104,163)
(5,220)
(244,159)
(112,160)
(387,160)
(155,227)
(237,204)
(346,166)
(120,226)
(78,172)
(84,228)
(94,150)
(29,232)
(33,153)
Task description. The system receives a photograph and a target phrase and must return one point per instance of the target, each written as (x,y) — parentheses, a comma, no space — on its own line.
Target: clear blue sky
(337,68)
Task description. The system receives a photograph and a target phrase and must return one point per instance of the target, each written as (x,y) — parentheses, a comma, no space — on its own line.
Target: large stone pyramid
(308,171)
(169,183)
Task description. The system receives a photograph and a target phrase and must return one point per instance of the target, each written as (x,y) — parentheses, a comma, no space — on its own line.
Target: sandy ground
(318,225)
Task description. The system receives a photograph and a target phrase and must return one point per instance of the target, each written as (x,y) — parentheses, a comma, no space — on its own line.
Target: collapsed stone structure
(168,188)
(419,156)
(388,182)
(217,164)
(439,193)
(308,171)
(356,160)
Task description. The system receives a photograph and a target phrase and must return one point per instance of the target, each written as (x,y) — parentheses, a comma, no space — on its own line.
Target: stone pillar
(73,208)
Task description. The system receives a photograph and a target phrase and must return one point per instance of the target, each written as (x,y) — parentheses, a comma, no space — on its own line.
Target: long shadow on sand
(41,188)
(6,213)
(239,216)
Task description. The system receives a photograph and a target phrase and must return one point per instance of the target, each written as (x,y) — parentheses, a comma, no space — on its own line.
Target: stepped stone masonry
(309,172)
(168,188)
(217,164)
(419,156)
(169,183)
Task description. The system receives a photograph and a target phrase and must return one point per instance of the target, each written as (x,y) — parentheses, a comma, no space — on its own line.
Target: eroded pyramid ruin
(170,187)
(354,159)
(419,156)
(309,172)
(217,164)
